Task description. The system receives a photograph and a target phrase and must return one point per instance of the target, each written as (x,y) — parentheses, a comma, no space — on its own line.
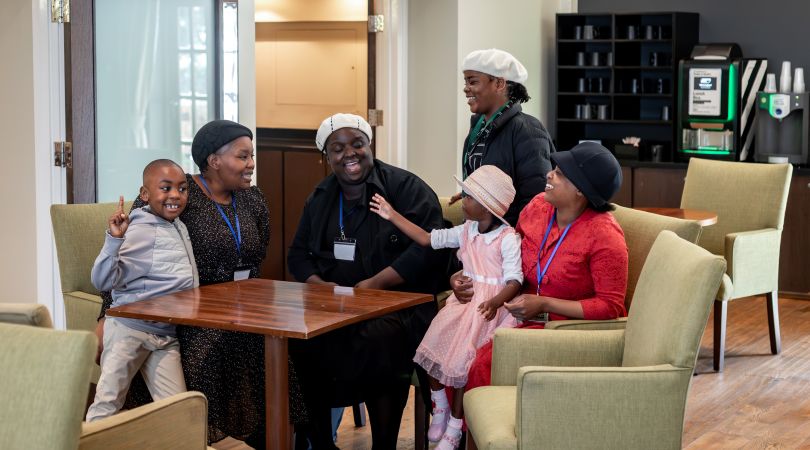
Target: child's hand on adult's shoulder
(488,309)
(119,221)
(381,207)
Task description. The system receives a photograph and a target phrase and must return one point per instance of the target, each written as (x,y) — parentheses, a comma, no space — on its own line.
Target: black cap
(212,136)
(592,169)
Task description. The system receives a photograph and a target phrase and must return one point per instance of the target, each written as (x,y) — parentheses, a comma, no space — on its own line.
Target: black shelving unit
(627,63)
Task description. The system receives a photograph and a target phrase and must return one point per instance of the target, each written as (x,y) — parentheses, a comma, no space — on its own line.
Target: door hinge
(376,24)
(375,117)
(60,11)
(63,154)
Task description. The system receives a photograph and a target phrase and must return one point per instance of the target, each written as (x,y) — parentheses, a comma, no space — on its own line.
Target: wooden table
(704,218)
(279,310)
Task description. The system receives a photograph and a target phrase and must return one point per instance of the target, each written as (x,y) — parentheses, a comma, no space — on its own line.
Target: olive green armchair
(640,228)
(46,377)
(78,231)
(595,389)
(750,201)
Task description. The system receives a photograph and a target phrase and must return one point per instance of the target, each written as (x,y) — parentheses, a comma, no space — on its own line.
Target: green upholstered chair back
(673,297)
(452,213)
(79,234)
(25,314)
(45,378)
(641,228)
(745,196)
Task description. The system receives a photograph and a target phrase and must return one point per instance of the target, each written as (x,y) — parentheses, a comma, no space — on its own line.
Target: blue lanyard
(237,234)
(340,215)
(542,274)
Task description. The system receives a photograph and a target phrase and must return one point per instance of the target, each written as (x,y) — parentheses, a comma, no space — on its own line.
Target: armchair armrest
(753,261)
(601,407)
(515,348)
(180,421)
(614,324)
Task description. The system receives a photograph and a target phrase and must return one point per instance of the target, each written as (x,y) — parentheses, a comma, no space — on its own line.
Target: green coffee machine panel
(708,94)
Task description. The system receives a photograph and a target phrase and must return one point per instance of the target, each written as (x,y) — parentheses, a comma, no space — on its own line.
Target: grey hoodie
(153,258)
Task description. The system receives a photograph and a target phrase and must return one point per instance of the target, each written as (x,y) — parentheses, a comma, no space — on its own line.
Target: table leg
(276,393)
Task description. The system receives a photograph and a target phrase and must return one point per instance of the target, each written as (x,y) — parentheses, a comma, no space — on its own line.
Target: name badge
(344,248)
(241,273)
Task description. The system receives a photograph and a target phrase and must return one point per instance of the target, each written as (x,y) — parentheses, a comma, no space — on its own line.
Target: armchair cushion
(515,348)
(609,407)
(452,213)
(641,228)
(484,403)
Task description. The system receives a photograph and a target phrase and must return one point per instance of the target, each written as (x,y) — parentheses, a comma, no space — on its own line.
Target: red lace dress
(590,267)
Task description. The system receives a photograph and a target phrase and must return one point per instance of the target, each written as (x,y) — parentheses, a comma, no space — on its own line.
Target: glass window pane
(183,28)
(148,86)
(186,161)
(230,41)
(200,113)
(186,126)
(199,25)
(184,73)
(230,87)
(200,71)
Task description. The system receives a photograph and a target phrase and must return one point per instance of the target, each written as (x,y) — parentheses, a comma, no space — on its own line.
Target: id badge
(241,273)
(344,248)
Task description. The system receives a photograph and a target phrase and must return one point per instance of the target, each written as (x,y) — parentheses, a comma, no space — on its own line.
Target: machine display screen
(705,92)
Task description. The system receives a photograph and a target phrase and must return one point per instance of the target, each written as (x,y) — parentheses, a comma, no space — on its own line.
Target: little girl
(489,249)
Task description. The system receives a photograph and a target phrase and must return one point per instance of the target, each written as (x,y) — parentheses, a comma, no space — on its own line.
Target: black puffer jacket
(520,146)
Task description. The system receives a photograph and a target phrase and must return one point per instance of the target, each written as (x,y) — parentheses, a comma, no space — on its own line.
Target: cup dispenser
(782,127)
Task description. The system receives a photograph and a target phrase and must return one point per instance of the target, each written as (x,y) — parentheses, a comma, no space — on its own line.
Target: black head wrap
(212,136)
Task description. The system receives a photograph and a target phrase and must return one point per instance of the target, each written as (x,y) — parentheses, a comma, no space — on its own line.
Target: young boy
(145,255)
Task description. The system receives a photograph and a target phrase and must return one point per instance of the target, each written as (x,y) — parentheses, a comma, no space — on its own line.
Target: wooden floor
(759,401)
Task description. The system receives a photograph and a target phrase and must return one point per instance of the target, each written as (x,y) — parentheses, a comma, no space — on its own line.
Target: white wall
(18,265)
(440,35)
(433,95)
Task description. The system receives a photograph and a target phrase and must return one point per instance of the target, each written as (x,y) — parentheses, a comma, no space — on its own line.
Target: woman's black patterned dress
(228,367)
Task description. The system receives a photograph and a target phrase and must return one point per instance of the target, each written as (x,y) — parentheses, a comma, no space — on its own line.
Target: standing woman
(229,226)
(500,133)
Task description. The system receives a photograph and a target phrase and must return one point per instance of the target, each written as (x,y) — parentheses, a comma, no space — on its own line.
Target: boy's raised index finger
(121,202)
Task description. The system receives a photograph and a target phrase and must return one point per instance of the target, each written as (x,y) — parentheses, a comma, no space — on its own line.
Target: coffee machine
(782,127)
(708,94)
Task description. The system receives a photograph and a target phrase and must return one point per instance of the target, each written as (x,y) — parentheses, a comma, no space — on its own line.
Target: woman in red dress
(574,257)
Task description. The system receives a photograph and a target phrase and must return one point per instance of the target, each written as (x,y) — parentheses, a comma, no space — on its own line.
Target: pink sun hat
(490,187)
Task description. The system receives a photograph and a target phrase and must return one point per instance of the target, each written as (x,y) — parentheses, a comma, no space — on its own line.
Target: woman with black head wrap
(229,225)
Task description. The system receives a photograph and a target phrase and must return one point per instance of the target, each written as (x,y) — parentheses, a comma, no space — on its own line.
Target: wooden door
(80,110)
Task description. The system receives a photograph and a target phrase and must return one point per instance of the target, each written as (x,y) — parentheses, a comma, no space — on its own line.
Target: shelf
(585,41)
(608,121)
(585,67)
(629,114)
(586,94)
(644,41)
(643,67)
(628,94)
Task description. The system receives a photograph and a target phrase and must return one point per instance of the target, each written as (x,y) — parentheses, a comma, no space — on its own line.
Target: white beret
(497,63)
(338,121)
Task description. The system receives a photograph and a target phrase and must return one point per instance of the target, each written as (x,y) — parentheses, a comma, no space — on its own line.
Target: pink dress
(458,330)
